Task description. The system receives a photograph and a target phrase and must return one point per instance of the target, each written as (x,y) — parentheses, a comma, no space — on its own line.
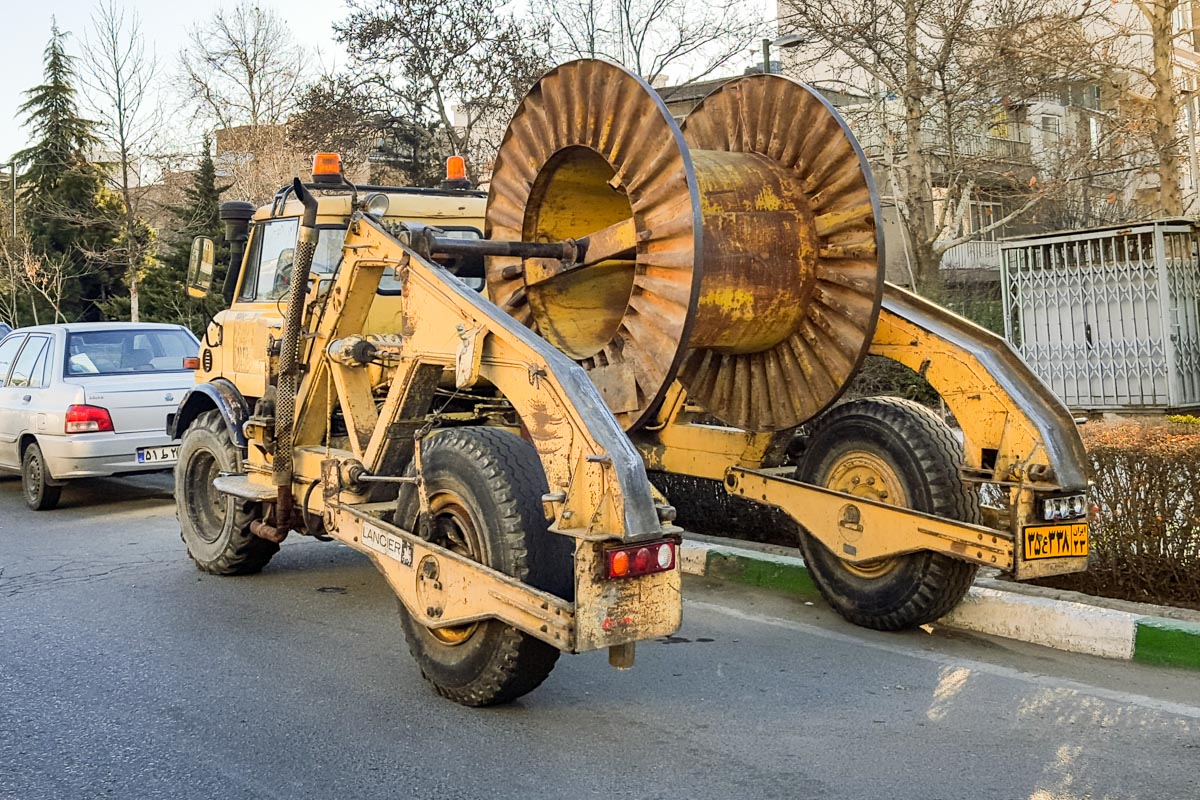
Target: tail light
(88,419)
(645,558)
(191,363)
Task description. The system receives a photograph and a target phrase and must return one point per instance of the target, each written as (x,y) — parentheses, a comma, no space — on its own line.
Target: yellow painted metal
(245,329)
(750,270)
(1023,512)
(579,312)
(866,474)
(466,591)
(442,332)
(866,532)
(676,443)
(990,419)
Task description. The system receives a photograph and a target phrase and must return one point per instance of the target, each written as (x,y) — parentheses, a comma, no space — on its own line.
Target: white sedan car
(90,399)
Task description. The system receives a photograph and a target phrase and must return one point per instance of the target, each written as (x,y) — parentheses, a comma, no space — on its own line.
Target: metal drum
(739,254)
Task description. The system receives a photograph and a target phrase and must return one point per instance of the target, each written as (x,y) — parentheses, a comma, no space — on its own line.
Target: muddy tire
(894,451)
(215,527)
(36,487)
(485,487)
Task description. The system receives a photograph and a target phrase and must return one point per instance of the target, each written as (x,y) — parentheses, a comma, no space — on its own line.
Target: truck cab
(256,288)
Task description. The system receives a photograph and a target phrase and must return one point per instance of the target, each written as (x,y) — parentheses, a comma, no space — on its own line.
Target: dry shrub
(1145,530)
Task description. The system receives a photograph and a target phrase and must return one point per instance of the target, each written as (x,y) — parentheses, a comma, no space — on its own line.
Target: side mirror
(200,267)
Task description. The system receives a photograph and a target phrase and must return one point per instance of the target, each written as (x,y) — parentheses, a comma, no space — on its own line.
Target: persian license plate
(1055,541)
(158,455)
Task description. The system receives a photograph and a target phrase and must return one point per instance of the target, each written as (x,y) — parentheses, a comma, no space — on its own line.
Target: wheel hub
(867,475)
(208,507)
(454,528)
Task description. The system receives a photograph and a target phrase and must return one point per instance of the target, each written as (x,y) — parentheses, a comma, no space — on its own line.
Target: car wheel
(40,494)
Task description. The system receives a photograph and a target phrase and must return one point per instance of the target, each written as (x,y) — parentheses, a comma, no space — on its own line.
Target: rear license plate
(157,455)
(1069,539)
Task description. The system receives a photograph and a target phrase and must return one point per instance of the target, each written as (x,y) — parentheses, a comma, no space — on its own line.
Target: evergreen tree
(69,212)
(163,288)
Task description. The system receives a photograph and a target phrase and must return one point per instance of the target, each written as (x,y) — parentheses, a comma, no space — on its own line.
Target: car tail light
(191,363)
(88,419)
(645,558)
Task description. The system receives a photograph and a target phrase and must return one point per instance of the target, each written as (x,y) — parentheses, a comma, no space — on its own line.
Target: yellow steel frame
(994,420)
(598,490)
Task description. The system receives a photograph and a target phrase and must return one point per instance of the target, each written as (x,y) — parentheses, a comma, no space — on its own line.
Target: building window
(1051,128)
(980,215)
(1094,134)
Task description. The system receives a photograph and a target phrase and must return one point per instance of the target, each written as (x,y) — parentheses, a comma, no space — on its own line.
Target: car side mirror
(200,267)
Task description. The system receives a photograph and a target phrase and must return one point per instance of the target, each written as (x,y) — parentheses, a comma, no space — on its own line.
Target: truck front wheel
(484,487)
(897,452)
(215,527)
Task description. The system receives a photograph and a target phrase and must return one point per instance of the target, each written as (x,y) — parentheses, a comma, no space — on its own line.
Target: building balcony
(962,145)
(973,255)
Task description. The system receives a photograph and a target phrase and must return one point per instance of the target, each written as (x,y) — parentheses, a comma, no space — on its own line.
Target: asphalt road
(126,673)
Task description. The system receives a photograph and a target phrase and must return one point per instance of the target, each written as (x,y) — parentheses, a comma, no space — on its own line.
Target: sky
(165,24)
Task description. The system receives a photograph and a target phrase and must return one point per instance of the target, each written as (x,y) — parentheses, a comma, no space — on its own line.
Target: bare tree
(1138,53)
(29,279)
(50,278)
(242,66)
(120,75)
(651,37)
(938,90)
(254,161)
(456,66)
(12,286)
(244,74)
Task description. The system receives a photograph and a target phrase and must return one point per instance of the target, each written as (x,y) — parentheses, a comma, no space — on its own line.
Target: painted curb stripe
(778,573)
(1074,627)
(1169,642)
(1060,624)
(781,573)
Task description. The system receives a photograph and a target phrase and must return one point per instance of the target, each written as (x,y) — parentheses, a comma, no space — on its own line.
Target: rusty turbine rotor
(739,255)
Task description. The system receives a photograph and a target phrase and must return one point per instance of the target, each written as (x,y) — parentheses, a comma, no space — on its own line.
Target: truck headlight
(1069,507)
(376,204)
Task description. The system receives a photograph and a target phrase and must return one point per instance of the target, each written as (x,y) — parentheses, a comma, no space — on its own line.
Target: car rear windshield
(120,352)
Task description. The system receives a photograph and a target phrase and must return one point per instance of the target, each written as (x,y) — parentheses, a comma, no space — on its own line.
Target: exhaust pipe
(288,382)
(236,215)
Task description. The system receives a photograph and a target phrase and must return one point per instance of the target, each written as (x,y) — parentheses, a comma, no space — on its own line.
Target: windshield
(116,352)
(328,257)
(469,268)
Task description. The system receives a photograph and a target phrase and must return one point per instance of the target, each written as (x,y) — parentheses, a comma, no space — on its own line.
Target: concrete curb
(1061,624)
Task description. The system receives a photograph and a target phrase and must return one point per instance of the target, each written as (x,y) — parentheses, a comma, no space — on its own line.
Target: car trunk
(136,403)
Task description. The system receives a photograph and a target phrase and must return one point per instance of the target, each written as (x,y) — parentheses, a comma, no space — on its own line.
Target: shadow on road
(94,492)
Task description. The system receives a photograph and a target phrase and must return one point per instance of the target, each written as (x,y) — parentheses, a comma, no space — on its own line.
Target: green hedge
(1145,525)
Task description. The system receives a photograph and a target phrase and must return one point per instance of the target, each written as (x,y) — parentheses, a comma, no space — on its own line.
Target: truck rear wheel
(893,451)
(484,487)
(215,526)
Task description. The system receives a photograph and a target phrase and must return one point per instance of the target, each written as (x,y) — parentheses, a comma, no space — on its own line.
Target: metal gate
(1109,317)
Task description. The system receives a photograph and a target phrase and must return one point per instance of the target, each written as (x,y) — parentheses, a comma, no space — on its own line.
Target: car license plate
(1069,539)
(157,455)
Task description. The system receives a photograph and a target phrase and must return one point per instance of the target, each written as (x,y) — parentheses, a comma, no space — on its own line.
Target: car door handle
(26,398)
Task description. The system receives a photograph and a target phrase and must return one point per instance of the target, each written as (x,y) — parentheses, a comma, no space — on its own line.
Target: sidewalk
(1063,620)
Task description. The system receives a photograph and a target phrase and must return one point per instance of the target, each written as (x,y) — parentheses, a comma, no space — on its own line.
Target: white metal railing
(973,255)
(963,145)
